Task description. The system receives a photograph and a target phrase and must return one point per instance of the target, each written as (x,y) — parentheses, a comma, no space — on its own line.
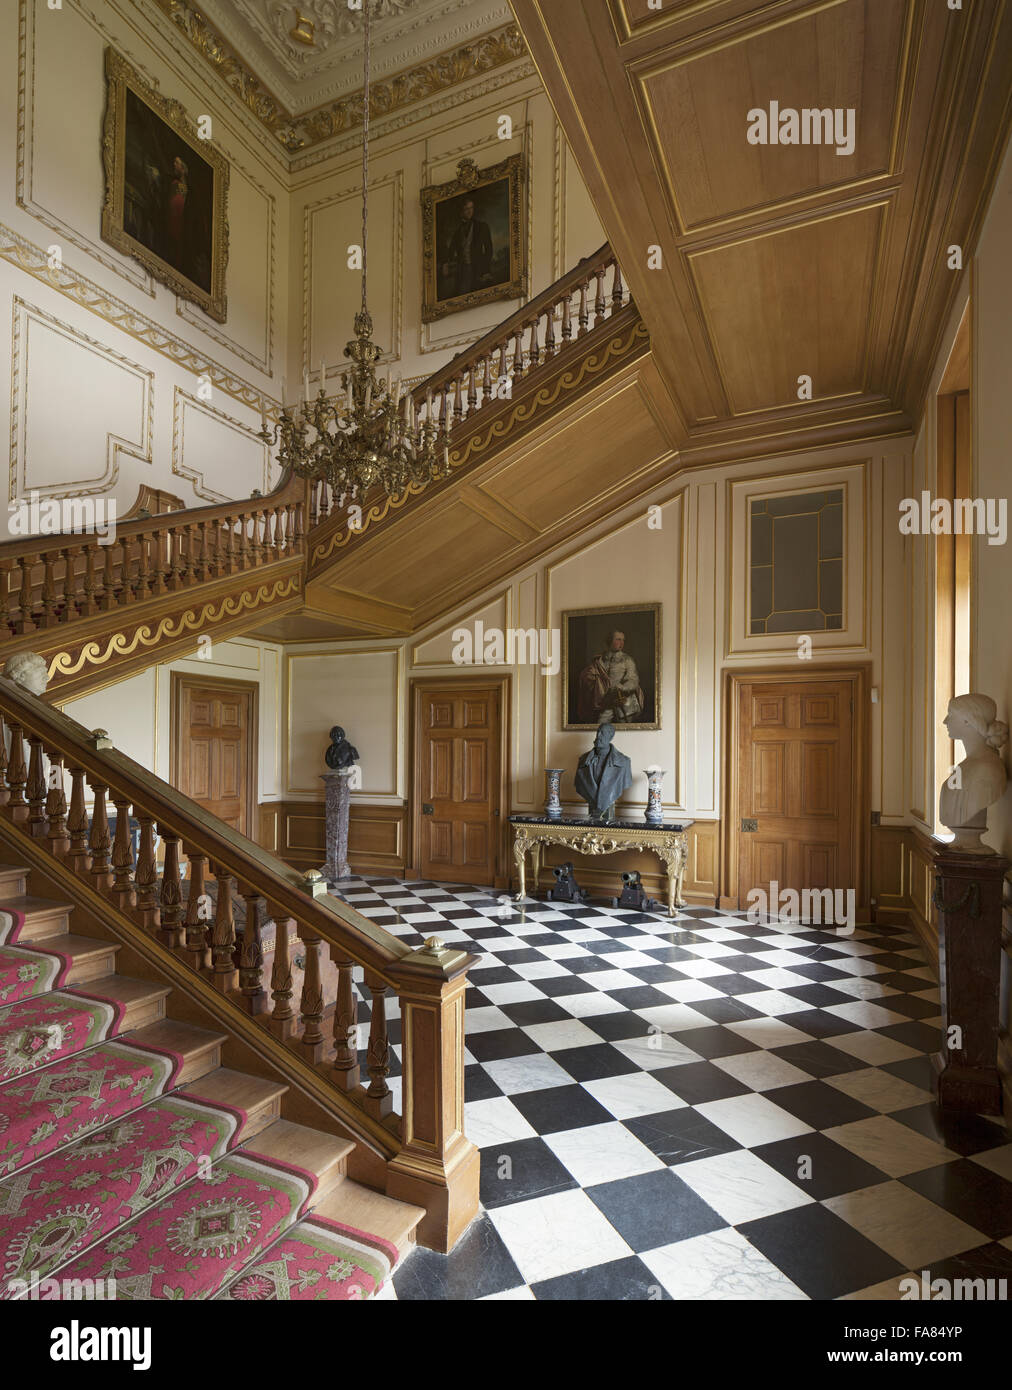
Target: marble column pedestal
(338,798)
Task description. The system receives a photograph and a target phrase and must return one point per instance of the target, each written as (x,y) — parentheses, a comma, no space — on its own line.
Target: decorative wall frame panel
(184,404)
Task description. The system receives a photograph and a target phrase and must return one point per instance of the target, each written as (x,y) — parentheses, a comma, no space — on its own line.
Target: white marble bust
(29,670)
(979,780)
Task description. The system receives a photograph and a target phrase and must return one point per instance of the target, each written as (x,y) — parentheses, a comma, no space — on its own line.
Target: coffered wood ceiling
(781,261)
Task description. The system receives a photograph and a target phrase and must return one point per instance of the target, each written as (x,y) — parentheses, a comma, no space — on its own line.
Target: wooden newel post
(437,1167)
(968,896)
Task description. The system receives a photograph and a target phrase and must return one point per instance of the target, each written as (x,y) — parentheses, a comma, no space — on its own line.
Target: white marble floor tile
(762,1071)
(589,1005)
(866,1014)
(740,1187)
(769,1032)
(772,1002)
(486,1020)
(558,1234)
(635,1094)
(512,992)
(720,1266)
(657,1050)
(565,1032)
(752,1120)
(879,1090)
(776,977)
(536,1072)
(996,1160)
(521,1295)
(495,1121)
(890,1146)
(873,1048)
(602,1153)
(686,991)
(675,1018)
(904,1224)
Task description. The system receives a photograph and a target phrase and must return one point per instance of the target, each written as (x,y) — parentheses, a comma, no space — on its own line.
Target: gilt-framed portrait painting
(474,238)
(166,190)
(611,667)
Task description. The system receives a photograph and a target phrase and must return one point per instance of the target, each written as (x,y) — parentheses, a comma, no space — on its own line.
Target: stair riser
(13,883)
(42,925)
(139,1015)
(196,1064)
(95,967)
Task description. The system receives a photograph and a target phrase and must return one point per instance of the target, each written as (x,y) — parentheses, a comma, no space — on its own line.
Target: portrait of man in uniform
(611,667)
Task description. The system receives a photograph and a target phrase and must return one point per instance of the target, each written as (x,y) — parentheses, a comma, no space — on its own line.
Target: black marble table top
(586,822)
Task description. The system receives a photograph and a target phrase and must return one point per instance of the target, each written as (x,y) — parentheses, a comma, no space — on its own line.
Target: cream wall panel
(360,690)
(438,650)
(79,407)
(128,710)
(214,450)
(632,564)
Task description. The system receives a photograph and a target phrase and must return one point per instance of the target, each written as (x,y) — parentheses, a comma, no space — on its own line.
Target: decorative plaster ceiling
(304,75)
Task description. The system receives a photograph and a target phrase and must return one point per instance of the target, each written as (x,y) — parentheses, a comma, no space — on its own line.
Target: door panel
(457,735)
(214,735)
(797,772)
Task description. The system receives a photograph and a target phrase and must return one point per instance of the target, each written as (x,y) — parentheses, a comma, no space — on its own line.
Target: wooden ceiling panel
(769,299)
(846,56)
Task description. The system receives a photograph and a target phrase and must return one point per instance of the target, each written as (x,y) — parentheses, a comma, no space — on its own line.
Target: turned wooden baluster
(25,621)
(100,840)
(314,502)
(518,355)
(534,352)
(36,789)
(324,501)
(108,597)
(125,591)
(77,824)
(90,606)
(69,583)
(346,1068)
(567,320)
(282,1015)
(251,956)
(486,381)
(6,626)
(617,290)
(223,934)
(123,856)
(160,568)
(198,913)
(378,1098)
(219,549)
(458,404)
(204,562)
(503,368)
(142,587)
(550,334)
(582,317)
(312,1000)
(171,898)
(599,301)
(146,880)
(472,394)
(47,598)
(56,808)
(444,411)
(299,530)
(4,790)
(17,775)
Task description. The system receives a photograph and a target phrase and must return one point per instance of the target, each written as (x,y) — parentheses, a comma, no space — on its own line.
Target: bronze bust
(340,754)
(603,774)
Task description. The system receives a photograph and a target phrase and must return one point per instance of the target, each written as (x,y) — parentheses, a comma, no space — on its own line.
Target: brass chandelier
(370,435)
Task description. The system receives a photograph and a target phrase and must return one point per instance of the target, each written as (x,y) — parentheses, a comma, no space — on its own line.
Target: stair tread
(172,1036)
(351,1204)
(304,1147)
(29,904)
(80,947)
(123,989)
(237,1089)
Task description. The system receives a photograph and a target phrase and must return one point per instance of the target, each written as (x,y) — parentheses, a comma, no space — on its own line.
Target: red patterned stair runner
(318,1260)
(42,1112)
(25,973)
(201,1236)
(57,1209)
(39,1031)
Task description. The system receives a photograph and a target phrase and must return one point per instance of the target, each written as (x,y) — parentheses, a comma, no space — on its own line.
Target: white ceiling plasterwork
(303,76)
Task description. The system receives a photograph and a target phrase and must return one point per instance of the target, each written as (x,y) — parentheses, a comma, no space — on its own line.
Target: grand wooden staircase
(136,1165)
(100,611)
(138,939)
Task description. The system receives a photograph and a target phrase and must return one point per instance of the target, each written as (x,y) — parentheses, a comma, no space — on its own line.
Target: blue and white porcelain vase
(654,812)
(553,781)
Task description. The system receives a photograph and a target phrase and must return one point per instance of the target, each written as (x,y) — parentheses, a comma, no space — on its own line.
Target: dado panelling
(77,408)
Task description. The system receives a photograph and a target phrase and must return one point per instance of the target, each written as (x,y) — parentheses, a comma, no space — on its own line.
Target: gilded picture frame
(477,256)
(587,634)
(166,190)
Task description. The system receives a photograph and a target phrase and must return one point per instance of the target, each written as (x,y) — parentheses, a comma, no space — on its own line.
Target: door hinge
(748,826)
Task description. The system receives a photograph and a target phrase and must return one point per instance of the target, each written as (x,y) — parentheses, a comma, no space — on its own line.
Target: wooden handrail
(177,912)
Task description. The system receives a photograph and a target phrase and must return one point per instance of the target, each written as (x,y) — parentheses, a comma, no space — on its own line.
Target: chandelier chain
(365,163)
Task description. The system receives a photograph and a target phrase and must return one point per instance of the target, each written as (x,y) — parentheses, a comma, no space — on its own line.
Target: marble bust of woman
(979,780)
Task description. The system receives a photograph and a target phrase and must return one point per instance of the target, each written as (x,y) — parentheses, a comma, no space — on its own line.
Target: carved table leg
(537,850)
(519,855)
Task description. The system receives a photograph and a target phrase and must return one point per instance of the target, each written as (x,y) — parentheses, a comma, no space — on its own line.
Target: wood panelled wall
(294,831)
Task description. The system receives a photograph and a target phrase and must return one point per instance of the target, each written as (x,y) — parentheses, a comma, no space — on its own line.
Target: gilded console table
(667,840)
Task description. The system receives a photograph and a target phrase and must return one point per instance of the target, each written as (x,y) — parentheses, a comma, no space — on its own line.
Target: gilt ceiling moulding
(298,133)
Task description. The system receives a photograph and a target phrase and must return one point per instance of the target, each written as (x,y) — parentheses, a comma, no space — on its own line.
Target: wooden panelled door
(798,775)
(214,736)
(457,788)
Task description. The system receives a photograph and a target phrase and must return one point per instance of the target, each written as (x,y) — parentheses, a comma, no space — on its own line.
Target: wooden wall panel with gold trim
(295,832)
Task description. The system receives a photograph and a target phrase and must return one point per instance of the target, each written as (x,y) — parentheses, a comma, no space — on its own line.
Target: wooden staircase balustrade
(517,349)
(428,1159)
(47,581)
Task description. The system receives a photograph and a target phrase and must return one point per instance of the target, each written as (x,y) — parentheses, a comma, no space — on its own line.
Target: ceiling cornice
(298,133)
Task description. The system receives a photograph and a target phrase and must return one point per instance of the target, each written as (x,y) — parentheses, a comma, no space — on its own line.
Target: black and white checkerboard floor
(704,1108)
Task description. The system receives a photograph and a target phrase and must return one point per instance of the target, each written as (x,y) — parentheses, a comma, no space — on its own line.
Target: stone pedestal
(968,896)
(338,802)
